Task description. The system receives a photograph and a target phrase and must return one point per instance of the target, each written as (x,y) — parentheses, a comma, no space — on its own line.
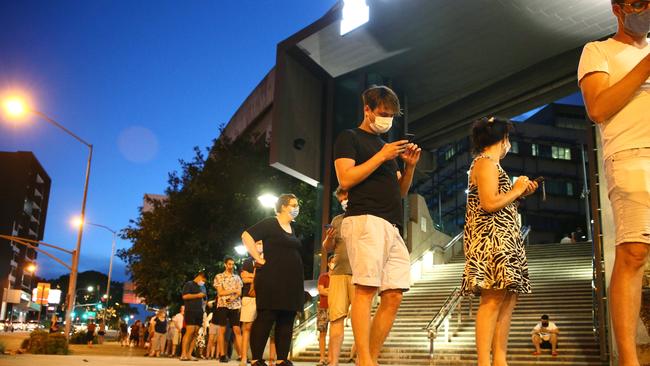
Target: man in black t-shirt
(366,167)
(193,295)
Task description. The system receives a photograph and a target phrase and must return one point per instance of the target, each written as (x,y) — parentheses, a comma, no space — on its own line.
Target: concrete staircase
(561,281)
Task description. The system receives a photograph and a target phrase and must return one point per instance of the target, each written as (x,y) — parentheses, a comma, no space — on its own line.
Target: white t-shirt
(545,335)
(630,127)
(178,320)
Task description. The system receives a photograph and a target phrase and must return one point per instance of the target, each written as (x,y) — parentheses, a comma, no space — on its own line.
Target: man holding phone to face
(367,168)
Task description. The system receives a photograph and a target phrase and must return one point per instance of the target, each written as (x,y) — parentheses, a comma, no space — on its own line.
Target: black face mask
(544,324)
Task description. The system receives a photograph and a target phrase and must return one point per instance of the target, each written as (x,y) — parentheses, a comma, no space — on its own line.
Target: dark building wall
(24,196)
(547,144)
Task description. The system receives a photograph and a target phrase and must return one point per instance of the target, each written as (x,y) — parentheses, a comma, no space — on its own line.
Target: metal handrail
(305,321)
(444,248)
(454,301)
(445,309)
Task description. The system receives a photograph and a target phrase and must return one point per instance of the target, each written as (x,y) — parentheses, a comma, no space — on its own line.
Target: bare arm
(603,101)
(411,157)
(247,277)
(328,242)
(349,174)
(322,290)
(405,181)
(249,243)
(193,296)
(486,177)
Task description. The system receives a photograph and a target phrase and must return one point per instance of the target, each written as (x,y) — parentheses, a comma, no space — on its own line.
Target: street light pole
(17,107)
(110,263)
(77,252)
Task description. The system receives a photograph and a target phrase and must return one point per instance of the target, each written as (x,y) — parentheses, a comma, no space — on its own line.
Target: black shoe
(259,363)
(224,359)
(285,363)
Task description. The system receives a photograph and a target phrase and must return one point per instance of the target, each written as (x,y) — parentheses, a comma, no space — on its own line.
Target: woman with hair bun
(495,259)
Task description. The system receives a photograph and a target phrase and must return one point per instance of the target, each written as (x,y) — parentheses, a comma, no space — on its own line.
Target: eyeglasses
(637,6)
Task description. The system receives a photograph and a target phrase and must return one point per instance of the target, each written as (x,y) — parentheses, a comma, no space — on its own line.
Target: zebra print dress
(495,256)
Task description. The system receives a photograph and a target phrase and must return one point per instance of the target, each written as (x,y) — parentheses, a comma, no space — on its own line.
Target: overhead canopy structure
(451,61)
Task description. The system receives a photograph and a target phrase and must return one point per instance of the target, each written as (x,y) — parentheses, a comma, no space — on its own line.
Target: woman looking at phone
(496,267)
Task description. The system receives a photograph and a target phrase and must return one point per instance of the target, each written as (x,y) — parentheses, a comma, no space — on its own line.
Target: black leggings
(283,332)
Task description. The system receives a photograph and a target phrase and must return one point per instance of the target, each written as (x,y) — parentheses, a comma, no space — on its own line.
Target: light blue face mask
(294,212)
(638,23)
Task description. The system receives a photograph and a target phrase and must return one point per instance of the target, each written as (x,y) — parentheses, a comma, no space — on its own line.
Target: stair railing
(454,302)
(305,320)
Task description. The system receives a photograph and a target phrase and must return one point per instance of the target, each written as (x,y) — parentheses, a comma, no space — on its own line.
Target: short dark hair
(488,131)
(544,317)
(228,258)
(378,95)
(339,191)
(284,200)
(200,273)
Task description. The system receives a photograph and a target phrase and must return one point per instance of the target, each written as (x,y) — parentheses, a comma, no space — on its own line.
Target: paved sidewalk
(92,360)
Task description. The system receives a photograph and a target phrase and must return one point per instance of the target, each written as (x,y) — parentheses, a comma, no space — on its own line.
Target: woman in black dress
(279,279)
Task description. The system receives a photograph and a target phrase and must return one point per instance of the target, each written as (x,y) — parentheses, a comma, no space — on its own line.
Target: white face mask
(331,266)
(381,124)
(344,205)
(201,283)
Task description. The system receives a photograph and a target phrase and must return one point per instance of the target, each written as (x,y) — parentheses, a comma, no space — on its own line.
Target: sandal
(536,353)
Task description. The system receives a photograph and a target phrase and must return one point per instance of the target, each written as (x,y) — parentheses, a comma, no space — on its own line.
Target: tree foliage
(209,204)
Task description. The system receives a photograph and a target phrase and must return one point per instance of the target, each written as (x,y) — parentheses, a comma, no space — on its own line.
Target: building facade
(23,210)
(550,144)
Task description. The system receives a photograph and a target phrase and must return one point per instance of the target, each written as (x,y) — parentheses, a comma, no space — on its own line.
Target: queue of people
(369,257)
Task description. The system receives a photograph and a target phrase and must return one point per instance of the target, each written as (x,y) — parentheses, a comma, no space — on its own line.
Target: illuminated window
(534,149)
(515,147)
(562,153)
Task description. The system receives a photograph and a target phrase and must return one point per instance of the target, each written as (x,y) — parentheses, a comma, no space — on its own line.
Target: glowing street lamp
(31,268)
(78,222)
(90,289)
(240,249)
(17,107)
(268,200)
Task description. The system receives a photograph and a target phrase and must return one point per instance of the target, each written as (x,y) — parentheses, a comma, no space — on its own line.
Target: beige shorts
(248,311)
(377,253)
(176,337)
(339,296)
(628,180)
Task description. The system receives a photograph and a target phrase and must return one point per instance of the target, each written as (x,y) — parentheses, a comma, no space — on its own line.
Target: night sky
(144,81)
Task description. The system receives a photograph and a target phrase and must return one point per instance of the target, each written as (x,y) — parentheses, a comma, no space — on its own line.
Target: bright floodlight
(31,268)
(240,249)
(268,200)
(355,14)
(15,107)
(77,221)
(90,289)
